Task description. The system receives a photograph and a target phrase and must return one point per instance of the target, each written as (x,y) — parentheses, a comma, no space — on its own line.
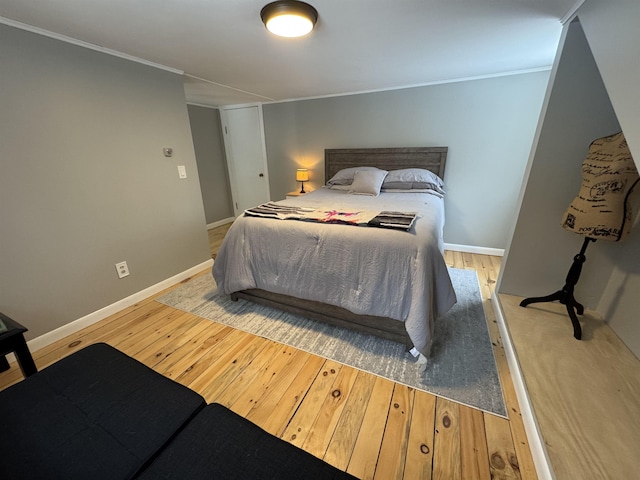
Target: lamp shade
(302,175)
(289,18)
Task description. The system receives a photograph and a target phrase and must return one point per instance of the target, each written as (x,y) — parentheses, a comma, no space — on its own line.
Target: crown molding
(572,12)
(419,85)
(90,46)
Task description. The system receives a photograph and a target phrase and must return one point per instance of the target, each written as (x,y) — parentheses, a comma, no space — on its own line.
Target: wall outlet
(123,269)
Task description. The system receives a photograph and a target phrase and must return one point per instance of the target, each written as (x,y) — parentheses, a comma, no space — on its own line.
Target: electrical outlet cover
(123,269)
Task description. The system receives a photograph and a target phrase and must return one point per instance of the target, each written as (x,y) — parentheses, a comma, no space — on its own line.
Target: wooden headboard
(429,158)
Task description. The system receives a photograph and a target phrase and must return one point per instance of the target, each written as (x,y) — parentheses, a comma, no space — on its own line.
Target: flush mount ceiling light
(289,18)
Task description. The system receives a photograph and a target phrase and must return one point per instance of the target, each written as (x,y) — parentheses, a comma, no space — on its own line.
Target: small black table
(12,340)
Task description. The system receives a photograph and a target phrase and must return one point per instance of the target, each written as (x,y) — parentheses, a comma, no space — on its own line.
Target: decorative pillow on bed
(345,176)
(413,178)
(368,182)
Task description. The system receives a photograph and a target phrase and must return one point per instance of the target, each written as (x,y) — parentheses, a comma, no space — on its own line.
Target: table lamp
(302,175)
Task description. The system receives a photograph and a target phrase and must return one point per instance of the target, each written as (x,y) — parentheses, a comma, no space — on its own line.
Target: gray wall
(84,181)
(488,126)
(212,164)
(578,112)
(611,28)
(596,81)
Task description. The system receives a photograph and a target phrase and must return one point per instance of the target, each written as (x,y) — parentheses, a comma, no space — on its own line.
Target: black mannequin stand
(565,296)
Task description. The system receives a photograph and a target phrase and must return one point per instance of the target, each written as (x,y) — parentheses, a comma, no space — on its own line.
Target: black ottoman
(97,414)
(219,444)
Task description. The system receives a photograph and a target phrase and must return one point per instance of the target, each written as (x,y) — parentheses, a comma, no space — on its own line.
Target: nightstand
(12,340)
(295,194)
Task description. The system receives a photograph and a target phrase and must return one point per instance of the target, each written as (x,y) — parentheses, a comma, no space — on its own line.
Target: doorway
(243,132)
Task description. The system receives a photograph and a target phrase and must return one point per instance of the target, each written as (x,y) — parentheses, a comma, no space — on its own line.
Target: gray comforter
(367,270)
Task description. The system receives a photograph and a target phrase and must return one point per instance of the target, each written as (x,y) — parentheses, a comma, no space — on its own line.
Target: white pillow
(368,182)
(345,176)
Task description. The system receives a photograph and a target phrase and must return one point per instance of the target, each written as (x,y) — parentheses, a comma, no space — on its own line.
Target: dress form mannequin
(601,210)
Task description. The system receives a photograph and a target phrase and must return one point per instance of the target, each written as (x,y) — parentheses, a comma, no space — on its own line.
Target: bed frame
(429,158)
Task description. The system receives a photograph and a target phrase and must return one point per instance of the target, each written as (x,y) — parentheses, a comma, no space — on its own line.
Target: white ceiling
(228,57)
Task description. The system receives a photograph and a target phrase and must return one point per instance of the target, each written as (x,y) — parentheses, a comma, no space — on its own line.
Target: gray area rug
(461,368)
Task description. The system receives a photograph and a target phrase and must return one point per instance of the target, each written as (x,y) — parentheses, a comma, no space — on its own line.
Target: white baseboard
(72,327)
(497,252)
(219,223)
(536,444)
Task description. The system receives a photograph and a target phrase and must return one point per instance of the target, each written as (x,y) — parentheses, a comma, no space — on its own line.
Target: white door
(246,156)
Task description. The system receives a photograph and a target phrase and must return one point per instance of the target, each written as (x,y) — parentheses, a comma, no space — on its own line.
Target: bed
(388,282)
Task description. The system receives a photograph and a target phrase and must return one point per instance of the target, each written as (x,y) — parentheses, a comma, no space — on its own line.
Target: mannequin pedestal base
(565,295)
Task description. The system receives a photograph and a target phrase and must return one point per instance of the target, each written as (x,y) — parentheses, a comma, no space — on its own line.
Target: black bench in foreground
(101,414)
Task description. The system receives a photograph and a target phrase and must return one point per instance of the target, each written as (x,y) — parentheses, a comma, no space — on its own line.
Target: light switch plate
(182,172)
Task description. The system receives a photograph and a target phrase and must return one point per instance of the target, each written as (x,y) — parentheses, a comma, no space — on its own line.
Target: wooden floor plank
(468,260)
(448,258)
(230,347)
(158,351)
(346,432)
(419,462)
(260,366)
(155,328)
(194,363)
(272,382)
(474,458)
(275,409)
(325,424)
(178,330)
(503,461)
(458,261)
(446,455)
(216,237)
(488,270)
(224,370)
(305,417)
(186,354)
(516,424)
(393,450)
(367,449)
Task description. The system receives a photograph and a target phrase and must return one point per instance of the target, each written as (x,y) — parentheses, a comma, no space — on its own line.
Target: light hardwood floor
(216,236)
(366,425)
